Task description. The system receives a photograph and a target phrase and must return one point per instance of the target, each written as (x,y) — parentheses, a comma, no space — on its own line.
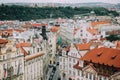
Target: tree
(113,37)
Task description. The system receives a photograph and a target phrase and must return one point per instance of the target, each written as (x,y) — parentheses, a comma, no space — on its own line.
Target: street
(53,70)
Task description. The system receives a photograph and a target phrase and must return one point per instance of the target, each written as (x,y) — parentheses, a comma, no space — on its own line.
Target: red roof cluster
(10,31)
(106,56)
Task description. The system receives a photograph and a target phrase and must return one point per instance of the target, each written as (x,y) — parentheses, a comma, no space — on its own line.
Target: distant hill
(13,12)
(94,4)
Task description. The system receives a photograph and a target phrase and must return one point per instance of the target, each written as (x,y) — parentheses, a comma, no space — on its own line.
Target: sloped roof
(3,41)
(76,66)
(24,51)
(99,22)
(54,29)
(38,25)
(92,31)
(85,46)
(30,57)
(107,56)
(10,31)
(24,44)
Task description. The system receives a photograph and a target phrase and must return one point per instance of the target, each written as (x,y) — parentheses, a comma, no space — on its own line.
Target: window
(82,74)
(69,71)
(63,59)
(86,75)
(100,77)
(81,35)
(81,30)
(38,50)
(73,73)
(69,59)
(93,77)
(73,60)
(60,66)
(69,65)
(60,59)
(3,57)
(78,72)
(90,76)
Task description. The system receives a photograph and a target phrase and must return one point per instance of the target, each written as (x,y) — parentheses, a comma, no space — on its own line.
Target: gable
(90,68)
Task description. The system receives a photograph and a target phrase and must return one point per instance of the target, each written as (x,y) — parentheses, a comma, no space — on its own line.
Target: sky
(60,1)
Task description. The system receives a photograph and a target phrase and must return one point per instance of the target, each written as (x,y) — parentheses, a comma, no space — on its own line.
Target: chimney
(44,32)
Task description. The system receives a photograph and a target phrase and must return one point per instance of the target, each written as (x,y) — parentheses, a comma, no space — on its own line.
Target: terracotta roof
(76,66)
(30,57)
(107,56)
(92,31)
(38,25)
(99,22)
(24,51)
(85,46)
(10,31)
(3,41)
(1,33)
(54,29)
(19,30)
(118,45)
(89,66)
(24,44)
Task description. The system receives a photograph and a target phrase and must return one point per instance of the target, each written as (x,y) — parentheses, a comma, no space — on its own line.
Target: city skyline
(59,1)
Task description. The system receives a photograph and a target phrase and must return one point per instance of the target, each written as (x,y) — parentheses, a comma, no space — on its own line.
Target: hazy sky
(61,1)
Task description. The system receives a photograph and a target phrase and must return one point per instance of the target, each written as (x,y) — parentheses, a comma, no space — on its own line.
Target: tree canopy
(31,13)
(112,37)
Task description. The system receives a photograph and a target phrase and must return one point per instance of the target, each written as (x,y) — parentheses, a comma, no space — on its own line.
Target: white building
(34,67)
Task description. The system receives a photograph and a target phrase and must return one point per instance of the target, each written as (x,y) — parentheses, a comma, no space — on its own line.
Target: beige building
(11,62)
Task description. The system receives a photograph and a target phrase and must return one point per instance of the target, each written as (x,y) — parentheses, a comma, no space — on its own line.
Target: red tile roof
(85,46)
(19,30)
(54,29)
(76,66)
(92,31)
(24,51)
(24,44)
(99,22)
(107,56)
(10,31)
(3,41)
(38,25)
(30,57)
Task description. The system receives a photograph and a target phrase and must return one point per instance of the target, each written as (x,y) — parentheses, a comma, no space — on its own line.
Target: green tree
(113,37)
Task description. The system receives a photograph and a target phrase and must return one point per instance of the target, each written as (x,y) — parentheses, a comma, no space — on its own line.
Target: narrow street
(53,70)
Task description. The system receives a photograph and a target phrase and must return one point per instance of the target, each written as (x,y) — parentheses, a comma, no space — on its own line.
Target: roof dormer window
(99,54)
(113,57)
